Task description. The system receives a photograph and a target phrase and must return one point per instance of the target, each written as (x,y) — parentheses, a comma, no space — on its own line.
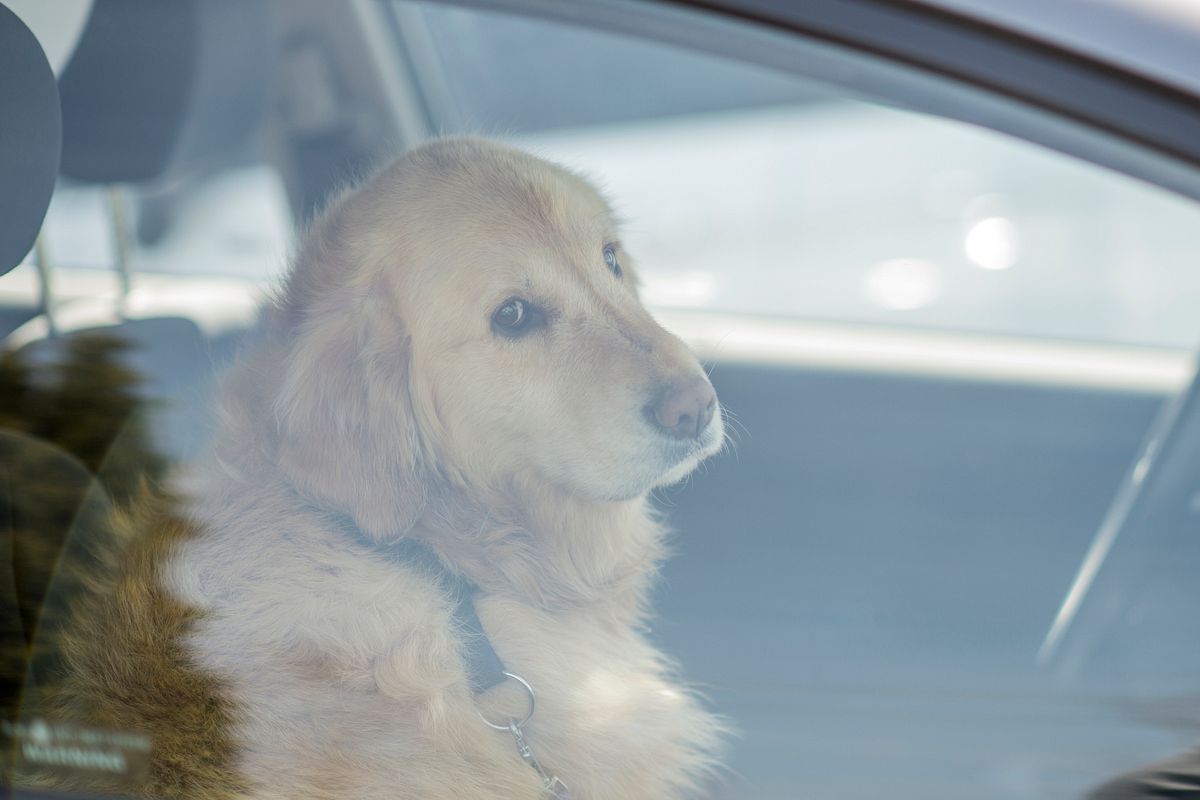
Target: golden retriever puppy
(458,358)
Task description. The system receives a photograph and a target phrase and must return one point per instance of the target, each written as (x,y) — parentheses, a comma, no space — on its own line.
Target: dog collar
(485,670)
(484,667)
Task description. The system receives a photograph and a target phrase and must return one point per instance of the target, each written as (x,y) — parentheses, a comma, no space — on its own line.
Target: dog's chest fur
(345,672)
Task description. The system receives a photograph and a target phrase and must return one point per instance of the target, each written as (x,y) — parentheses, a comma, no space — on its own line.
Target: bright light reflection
(904,283)
(687,290)
(992,243)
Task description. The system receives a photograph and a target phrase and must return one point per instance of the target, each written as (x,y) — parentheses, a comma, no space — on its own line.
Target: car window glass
(937,349)
(757,192)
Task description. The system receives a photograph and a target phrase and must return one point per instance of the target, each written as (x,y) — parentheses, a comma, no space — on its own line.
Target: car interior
(889,583)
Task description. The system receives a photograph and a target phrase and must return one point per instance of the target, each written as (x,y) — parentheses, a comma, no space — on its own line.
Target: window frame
(928,60)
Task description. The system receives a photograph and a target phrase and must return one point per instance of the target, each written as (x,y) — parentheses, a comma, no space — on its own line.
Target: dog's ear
(347,432)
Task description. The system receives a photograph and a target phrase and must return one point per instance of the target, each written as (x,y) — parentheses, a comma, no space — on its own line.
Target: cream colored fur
(379,390)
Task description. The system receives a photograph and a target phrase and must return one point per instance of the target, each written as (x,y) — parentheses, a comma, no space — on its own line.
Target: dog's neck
(562,554)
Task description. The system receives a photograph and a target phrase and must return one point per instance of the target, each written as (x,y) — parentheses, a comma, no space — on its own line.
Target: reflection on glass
(904,284)
(992,243)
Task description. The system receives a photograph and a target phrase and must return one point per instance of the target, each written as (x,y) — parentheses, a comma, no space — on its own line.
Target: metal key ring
(510,723)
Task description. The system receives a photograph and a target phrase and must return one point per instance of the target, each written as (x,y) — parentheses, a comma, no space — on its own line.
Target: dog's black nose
(685,408)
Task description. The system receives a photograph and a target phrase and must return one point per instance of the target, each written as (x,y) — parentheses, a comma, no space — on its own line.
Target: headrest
(153,84)
(30,138)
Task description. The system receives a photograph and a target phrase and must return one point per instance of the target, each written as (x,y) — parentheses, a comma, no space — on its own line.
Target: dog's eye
(516,318)
(610,258)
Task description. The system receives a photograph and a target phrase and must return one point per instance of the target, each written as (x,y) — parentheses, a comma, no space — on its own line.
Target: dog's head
(469,318)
